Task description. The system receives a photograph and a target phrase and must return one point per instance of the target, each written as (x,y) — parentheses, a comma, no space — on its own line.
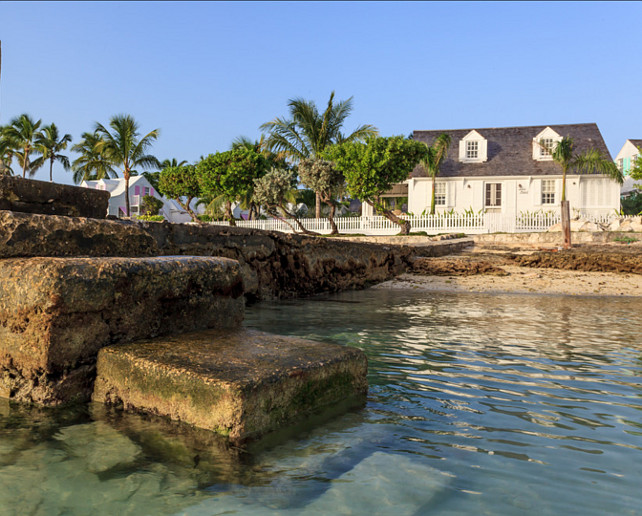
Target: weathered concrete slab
(242,384)
(31,196)
(27,234)
(56,313)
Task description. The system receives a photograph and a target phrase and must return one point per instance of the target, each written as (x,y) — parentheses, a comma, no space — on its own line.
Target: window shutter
(462,150)
(151,192)
(450,194)
(137,190)
(483,150)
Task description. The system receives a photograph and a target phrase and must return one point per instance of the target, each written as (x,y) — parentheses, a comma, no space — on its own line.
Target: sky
(205,73)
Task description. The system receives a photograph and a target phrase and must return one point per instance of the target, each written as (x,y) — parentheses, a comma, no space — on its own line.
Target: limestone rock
(242,384)
(31,196)
(56,313)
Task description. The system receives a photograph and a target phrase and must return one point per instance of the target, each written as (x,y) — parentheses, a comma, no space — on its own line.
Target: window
(472,150)
(546,147)
(620,164)
(440,194)
(493,194)
(145,191)
(548,191)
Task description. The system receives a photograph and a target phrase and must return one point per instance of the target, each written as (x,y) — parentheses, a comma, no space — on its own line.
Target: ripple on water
(478,404)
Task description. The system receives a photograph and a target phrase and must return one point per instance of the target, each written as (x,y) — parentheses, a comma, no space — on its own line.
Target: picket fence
(469,224)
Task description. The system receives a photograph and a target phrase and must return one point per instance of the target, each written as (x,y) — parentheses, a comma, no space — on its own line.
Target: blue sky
(207,72)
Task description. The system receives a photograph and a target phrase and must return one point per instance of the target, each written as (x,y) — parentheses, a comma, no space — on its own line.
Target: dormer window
(544,144)
(473,148)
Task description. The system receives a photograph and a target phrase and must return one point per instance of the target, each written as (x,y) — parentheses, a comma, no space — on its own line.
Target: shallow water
(478,404)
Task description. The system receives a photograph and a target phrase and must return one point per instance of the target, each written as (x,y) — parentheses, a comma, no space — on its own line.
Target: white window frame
(491,192)
(440,194)
(472,149)
(548,191)
(549,138)
(546,147)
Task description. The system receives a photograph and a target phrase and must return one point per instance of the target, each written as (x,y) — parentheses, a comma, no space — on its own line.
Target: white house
(505,170)
(628,155)
(139,187)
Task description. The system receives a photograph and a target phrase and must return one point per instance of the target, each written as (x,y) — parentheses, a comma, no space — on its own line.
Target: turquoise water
(478,404)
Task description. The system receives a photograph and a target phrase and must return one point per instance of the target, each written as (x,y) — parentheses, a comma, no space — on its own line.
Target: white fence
(432,224)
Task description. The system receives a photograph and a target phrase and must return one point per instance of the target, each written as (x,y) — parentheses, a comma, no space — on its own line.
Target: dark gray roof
(510,150)
(637,143)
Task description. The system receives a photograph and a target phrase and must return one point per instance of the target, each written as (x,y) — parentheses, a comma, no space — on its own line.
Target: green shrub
(151,218)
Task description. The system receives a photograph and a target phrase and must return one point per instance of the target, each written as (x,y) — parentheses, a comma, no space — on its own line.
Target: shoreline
(525,280)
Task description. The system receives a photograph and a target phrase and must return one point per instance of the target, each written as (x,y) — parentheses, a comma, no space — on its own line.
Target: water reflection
(478,404)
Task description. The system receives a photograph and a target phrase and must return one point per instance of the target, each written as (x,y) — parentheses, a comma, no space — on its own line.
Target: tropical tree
(182,185)
(432,162)
(307,133)
(23,133)
(373,167)
(153,177)
(7,150)
(277,190)
(230,175)
(92,163)
(49,144)
(322,177)
(591,161)
(123,147)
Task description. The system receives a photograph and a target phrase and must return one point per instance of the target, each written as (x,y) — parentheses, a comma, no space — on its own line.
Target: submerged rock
(241,384)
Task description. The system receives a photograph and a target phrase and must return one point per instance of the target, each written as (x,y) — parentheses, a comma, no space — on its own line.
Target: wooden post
(566,224)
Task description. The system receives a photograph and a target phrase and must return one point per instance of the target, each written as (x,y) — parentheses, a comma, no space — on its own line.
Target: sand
(526,280)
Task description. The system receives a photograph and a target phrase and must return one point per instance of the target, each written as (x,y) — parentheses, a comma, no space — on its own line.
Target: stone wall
(31,196)
(549,239)
(273,264)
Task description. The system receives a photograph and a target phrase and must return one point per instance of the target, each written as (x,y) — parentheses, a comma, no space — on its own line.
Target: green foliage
(632,205)
(431,163)
(92,163)
(323,178)
(176,182)
(274,189)
(180,184)
(21,135)
(231,174)
(151,205)
(625,239)
(373,167)
(307,133)
(636,170)
(307,197)
(151,218)
(49,144)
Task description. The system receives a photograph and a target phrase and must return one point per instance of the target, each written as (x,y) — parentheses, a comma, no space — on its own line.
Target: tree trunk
(51,170)
(298,222)
(228,213)
(566,224)
(317,210)
(335,230)
(432,198)
(187,208)
(127,207)
(404,224)
(24,162)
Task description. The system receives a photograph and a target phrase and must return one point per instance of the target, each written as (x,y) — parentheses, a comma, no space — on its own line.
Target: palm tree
(308,133)
(23,132)
(92,163)
(122,147)
(49,144)
(7,150)
(436,154)
(591,161)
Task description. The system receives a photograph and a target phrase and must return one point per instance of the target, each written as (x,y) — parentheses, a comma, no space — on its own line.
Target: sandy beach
(513,278)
